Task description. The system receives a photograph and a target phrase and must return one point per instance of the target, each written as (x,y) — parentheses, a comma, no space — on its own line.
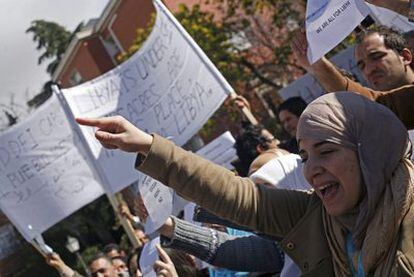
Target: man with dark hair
(101,266)
(385,60)
(113,250)
(252,142)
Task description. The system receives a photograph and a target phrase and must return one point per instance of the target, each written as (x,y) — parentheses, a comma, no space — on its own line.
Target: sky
(20,75)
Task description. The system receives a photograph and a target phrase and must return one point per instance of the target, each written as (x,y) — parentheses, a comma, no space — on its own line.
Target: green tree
(52,39)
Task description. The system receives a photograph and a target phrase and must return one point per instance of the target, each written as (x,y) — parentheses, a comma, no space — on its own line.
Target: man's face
(141,236)
(102,268)
(289,122)
(119,265)
(382,67)
(271,141)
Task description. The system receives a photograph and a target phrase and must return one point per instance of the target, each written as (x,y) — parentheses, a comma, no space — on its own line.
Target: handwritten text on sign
(167,88)
(44,174)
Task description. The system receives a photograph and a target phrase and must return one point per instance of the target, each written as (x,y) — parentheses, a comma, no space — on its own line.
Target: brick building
(93,50)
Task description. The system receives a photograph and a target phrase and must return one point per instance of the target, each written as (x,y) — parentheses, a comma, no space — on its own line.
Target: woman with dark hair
(358,221)
(289,113)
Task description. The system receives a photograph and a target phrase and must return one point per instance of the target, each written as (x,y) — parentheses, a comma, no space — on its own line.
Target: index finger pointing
(95,122)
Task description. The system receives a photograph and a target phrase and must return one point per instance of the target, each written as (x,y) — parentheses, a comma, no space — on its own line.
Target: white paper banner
(220,151)
(44,172)
(309,89)
(149,256)
(328,22)
(168,87)
(391,19)
(158,199)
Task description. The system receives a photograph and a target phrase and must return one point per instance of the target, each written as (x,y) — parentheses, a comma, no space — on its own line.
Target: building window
(111,47)
(75,78)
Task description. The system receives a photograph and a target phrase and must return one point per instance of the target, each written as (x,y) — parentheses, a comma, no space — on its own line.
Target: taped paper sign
(168,87)
(45,174)
(149,256)
(328,22)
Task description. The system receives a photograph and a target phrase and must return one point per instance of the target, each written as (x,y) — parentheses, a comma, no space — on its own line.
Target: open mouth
(329,191)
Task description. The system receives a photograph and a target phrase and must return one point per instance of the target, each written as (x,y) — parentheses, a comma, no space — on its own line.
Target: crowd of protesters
(335,199)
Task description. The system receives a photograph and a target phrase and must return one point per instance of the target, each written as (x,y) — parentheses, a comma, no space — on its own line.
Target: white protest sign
(168,87)
(220,151)
(44,172)
(158,199)
(328,22)
(391,19)
(149,256)
(308,88)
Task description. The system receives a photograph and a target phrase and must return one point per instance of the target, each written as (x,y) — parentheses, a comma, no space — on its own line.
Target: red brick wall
(90,60)
(130,15)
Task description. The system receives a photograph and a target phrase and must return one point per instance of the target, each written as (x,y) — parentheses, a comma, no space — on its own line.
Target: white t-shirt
(285,173)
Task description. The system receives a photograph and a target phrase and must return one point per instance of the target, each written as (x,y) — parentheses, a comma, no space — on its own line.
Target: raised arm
(325,72)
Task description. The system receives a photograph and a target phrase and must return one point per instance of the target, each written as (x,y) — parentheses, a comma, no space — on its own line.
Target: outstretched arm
(267,210)
(249,253)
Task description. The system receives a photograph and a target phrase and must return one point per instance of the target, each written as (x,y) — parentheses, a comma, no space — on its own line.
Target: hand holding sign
(164,267)
(300,49)
(118,133)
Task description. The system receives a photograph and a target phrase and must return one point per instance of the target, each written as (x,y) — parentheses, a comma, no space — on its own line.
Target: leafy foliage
(52,39)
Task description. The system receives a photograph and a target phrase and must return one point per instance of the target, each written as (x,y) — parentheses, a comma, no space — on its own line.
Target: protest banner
(148,257)
(308,88)
(391,19)
(50,167)
(329,22)
(168,87)
(45,173)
